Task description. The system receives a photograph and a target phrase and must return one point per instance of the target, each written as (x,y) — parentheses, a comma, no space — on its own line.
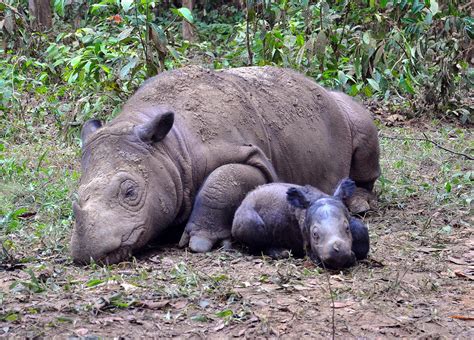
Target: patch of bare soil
(417,282)
(407,288)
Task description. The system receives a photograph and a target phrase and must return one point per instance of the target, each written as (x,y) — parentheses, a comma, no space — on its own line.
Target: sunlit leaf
(448,187)
(59,7)
(126,4)
(94,282)
(366,38)
(126,69)
(434,7)
(125,34)
(225,313)
(184,13)
(75,61)
(374,84)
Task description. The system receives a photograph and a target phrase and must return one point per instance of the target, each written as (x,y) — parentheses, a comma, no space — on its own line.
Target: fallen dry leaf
(81,331)
(395,118)
(109,320)
(152,304)
(462,317)
(128,287)
(219,326)
(428,249)
(27,215)
(342,304)
(179,304)
(456,261)
(459,273)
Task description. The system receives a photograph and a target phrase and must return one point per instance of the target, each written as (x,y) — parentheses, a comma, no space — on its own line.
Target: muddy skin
(280,218)
(191,143)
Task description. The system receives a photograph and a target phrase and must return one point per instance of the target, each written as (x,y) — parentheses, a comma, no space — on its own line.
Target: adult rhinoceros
(190,143)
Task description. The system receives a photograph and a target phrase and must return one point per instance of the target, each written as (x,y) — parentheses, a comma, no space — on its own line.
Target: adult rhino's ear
(89,127)
(345,189)
(157,128)
(297,198)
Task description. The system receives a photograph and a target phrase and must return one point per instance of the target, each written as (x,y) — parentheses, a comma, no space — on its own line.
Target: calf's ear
(89,127)
(345,189)
(360,238)
(297,198)
(157,128)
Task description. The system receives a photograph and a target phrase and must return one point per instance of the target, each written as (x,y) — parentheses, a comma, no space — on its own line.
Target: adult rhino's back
(295,122)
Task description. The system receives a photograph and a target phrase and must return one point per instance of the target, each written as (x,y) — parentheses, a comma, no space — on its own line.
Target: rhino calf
(278,218)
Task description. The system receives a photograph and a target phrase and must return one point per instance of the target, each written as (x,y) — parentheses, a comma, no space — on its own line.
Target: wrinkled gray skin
(280,218)
(190,143)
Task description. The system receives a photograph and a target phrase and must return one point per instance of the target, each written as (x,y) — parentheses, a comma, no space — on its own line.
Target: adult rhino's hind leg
(215,205)
(365,164)
(365,167)
(365,170)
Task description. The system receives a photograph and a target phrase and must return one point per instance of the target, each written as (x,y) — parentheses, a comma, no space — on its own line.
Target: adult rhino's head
(128,190)
(326,228)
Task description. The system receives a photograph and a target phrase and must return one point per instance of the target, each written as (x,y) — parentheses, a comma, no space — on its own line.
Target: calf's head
(121,203)
(326,230)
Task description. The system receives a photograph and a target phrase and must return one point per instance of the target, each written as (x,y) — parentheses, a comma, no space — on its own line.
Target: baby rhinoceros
(279,217)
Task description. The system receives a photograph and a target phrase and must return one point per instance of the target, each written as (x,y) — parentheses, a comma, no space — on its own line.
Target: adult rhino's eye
(129,192)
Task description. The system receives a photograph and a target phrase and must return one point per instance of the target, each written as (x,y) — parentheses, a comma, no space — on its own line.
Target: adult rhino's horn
(89,128)
(157,128)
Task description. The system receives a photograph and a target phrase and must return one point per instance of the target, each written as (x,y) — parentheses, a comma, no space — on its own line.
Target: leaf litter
(417,281)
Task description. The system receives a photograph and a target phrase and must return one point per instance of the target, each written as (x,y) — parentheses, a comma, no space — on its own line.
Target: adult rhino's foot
(200,244)
(362,201)
(358,206)
(197,242)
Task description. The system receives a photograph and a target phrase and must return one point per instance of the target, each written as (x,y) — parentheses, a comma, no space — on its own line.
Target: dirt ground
(417,282)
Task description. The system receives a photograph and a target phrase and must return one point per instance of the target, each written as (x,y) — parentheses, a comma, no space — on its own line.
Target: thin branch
(145,47)
(337,52)
(247,34)
(426,139)
(333,317)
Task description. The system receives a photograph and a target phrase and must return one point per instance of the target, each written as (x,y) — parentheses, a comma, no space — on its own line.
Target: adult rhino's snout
(92,241)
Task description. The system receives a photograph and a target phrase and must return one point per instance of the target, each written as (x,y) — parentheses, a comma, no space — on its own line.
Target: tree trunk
(40,13)
(188,29)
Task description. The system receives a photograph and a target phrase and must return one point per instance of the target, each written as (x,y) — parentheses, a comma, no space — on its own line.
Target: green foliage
(416,50)
(388,49)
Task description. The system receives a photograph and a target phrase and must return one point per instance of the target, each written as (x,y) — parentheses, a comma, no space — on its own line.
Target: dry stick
(426,139)
(333,318)
(247,35)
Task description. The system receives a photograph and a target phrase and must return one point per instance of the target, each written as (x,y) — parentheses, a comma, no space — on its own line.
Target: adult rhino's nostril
(336,246)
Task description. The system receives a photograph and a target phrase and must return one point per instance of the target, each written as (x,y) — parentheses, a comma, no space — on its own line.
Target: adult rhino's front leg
(215,205)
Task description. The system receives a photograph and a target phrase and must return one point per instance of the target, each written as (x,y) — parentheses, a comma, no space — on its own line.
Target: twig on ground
(426,139)
(333,318)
